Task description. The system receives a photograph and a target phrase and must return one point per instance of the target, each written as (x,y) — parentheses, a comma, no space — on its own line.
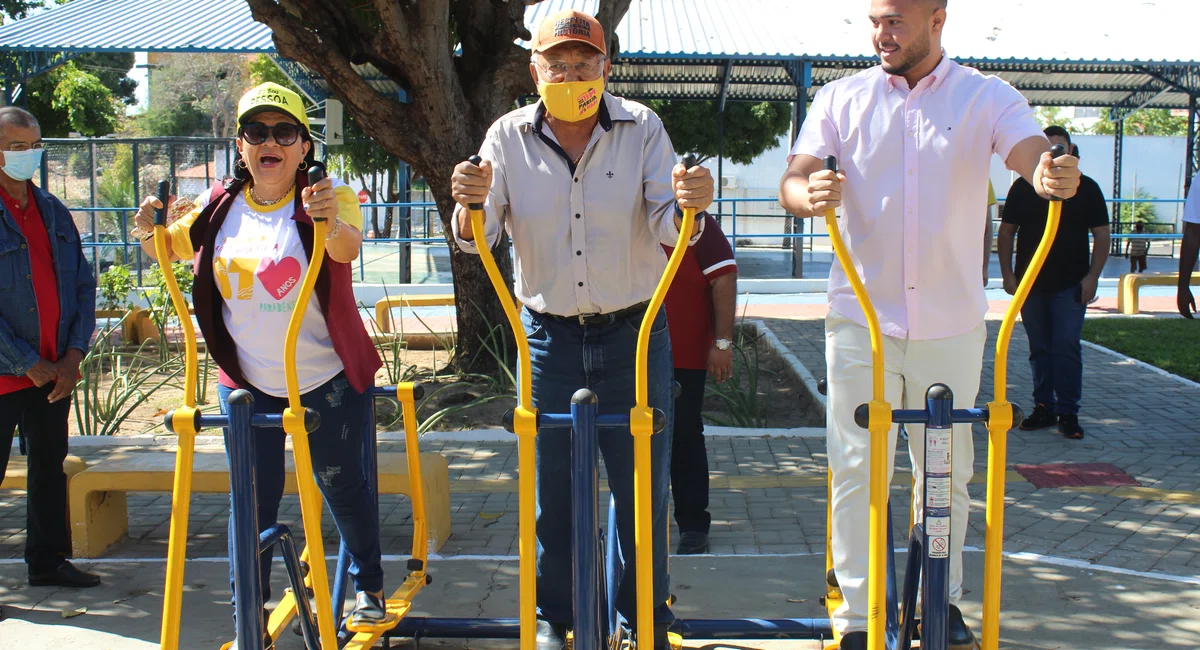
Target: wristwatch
(723,344)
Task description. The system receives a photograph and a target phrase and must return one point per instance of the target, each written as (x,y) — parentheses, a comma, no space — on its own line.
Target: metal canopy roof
(1106,53)
(140,26)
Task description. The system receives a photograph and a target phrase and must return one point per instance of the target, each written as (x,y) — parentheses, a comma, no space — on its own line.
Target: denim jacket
(19,332)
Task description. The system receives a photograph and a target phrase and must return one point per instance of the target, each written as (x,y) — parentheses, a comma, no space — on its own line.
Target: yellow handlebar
(879,423)
(183,423)
(641,425)
(525,426)
(1001,418)
(294,425)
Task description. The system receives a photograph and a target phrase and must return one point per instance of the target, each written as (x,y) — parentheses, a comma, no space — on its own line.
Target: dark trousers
(336,452)
(44,425)
(689,458)
(1137,263)
(1053,322)
(565,357)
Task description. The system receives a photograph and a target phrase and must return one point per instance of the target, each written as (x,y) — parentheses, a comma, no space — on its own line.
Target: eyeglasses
(587,69)
(285,133)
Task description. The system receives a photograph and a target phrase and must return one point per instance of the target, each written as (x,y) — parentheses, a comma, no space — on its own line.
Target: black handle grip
(688,162)
(316,172)
(475,160)
(831,163)
(164,195)
(1056,151)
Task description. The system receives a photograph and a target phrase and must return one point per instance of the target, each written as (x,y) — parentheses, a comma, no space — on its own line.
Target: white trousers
(910,368)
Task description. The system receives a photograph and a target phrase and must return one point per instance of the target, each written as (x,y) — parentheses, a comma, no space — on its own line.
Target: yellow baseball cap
(271,97)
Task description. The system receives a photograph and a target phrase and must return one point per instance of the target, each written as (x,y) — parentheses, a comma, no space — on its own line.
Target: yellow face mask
(572,101)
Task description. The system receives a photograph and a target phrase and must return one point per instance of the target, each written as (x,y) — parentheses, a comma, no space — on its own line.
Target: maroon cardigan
(334,291)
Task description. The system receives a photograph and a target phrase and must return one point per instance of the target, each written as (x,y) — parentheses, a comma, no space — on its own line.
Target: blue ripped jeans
(336,452)
(565,357)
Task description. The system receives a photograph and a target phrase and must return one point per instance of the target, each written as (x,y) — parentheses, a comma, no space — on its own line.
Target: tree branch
(381,115)
(610,14)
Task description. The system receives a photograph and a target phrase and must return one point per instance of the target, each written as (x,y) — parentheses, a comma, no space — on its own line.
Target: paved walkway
(769,494)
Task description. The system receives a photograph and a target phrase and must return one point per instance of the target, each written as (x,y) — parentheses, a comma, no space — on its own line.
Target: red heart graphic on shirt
(279,277)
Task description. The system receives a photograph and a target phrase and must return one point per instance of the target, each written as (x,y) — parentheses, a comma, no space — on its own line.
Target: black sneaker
(692,543)
(1068,426)
(853,641)
(1039,419)
(64,575)
(368,611)
(960,637)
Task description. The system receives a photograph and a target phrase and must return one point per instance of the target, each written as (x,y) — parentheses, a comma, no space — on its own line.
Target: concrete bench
(100,517)
(1131,283)
(17,475)
(383,308)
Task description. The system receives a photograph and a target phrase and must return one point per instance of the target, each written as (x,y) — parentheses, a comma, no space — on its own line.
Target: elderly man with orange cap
(587,188)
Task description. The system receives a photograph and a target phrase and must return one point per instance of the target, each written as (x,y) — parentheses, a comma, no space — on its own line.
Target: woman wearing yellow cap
(251,238)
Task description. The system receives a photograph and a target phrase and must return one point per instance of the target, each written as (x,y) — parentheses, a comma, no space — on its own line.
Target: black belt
(603,319)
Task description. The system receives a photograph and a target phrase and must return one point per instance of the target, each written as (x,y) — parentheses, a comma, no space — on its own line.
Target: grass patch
(1169,343)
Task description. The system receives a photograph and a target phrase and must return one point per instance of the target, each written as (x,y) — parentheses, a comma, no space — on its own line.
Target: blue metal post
(614,569)
(282,535)
(938,487)
(247,586)
(585,521)
(733,235)
(891,625)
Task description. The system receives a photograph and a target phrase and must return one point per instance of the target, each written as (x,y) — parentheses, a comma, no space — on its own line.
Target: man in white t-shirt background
(1188,250)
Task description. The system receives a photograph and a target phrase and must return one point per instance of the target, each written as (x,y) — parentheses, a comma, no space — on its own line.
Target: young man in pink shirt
(913,138)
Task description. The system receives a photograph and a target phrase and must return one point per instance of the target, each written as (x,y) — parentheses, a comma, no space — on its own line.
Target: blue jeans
(336,449)
(1053,323)
(566,357)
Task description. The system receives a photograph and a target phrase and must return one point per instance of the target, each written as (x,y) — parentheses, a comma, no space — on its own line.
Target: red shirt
(689,301)
(45,283)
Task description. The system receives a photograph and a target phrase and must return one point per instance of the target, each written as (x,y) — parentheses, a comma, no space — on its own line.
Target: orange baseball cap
(566,26)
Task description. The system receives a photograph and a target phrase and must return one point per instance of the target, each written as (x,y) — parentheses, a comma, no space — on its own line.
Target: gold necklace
(266,204)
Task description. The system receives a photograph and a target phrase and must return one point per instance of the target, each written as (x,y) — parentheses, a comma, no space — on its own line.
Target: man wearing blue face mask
(587,187)
(47,315)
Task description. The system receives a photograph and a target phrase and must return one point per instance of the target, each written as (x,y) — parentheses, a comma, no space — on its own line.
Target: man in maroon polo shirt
(700,308)
(47,316)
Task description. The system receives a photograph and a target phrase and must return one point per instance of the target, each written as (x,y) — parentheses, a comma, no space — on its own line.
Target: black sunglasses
(285,133)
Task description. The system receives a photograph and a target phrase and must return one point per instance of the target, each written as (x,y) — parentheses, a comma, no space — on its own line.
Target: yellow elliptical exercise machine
(307,572)
(891,624)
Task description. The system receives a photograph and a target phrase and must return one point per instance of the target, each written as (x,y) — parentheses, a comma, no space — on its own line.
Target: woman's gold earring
(241,163)
(303,165)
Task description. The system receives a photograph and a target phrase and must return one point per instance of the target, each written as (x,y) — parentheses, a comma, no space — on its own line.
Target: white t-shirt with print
(259,263)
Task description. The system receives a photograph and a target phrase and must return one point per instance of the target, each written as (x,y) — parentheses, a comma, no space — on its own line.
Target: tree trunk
(453,97)
(478,309)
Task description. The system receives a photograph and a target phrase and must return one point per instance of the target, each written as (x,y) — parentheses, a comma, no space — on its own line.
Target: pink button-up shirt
(913,206)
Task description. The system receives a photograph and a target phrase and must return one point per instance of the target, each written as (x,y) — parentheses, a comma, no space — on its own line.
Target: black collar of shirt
(539,118)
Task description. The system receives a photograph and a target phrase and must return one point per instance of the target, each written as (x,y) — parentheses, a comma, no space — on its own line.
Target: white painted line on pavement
(1022,555)
(1142,364)
(1083,565)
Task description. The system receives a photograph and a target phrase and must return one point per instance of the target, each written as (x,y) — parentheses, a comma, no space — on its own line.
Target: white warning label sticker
(937,492)
(939,547)
(937,451)
(937,526)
